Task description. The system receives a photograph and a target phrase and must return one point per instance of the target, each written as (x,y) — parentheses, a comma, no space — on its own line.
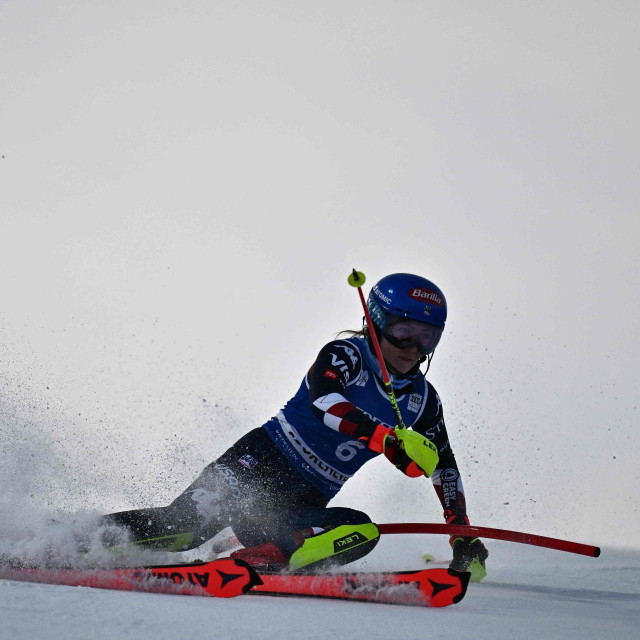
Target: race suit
(341,398)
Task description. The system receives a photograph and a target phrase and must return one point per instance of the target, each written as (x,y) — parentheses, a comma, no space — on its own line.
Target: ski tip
(254,579)
(464,577)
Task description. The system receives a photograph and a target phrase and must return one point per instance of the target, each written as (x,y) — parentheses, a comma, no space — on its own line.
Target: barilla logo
(426,295)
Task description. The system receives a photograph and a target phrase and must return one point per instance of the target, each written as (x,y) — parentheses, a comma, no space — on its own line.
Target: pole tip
(356,278)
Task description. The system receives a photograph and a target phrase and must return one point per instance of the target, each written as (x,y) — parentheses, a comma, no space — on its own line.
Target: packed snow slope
(184,188)
(529,593)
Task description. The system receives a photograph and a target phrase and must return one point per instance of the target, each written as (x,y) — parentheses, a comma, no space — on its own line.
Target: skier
(272,487)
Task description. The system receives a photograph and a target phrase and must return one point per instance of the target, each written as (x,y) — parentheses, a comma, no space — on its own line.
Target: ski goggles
(405,334)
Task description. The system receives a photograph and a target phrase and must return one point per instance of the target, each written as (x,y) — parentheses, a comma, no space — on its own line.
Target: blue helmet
(404,295)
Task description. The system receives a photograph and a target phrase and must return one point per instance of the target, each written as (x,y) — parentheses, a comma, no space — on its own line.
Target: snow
(184,189)
(529,593)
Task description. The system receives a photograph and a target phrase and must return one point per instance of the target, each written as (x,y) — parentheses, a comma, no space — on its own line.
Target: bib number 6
(348,450)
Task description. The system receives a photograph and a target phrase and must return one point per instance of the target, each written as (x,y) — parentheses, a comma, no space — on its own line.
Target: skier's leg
(193,517)
(223,488)
(304,537)
(147,527)
(285,519)
(333,537)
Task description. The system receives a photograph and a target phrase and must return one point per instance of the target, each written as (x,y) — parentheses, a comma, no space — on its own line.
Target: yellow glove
(422,451)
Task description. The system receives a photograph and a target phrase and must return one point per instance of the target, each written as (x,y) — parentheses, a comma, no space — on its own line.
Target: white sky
(185,186)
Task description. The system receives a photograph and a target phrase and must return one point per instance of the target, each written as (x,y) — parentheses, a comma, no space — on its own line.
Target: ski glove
(469,554)
(421,450)
(382,438)
(408,450)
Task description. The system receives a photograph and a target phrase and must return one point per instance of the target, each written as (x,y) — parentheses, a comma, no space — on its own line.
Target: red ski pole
(488,532)
(357,279)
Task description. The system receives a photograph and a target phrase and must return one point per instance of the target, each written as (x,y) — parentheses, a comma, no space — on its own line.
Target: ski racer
(272,487)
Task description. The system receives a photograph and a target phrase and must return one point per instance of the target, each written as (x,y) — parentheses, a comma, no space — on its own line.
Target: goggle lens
(405,334)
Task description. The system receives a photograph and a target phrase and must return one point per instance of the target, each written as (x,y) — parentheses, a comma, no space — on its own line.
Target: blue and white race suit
(341,399)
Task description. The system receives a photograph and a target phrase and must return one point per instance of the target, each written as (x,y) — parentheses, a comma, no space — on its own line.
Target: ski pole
(357,279)
(488,532)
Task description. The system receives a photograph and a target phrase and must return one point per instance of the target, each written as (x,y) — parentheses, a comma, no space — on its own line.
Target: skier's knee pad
(340,545)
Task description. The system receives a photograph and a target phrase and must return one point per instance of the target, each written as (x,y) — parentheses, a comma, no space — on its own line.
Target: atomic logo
(228,577)
(438,587)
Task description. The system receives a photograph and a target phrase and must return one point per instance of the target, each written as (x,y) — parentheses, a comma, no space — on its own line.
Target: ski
(427,587)
(225,578)
(222,578)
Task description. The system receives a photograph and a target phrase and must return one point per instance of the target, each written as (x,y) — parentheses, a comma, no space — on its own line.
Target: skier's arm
(446,477)
(469,554)
(338,364)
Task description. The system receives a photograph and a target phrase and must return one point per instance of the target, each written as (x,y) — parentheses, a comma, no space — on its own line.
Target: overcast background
(185,186)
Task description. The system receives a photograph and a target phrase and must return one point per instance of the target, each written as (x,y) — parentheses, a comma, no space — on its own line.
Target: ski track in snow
(529,593)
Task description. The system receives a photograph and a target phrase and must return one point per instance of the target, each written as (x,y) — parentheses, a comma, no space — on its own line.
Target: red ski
(226,578)
(223,578)
(429,587)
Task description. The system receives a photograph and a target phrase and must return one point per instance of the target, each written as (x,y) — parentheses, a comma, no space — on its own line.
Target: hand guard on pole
(421,450)
(408,450)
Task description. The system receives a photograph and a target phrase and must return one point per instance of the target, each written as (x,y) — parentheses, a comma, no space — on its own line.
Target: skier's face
(403,360)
